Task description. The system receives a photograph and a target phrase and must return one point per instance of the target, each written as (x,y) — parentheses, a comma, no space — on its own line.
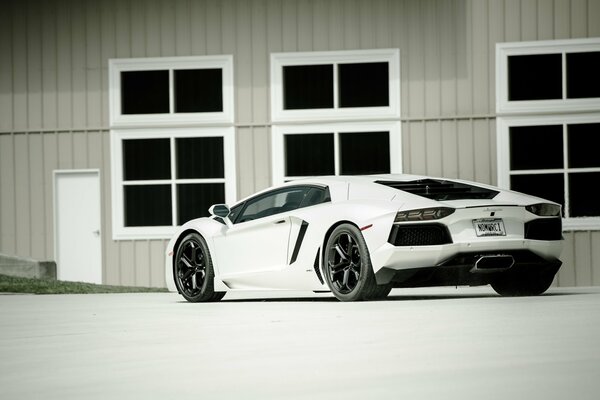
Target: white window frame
(504,124)
(278,145)
(504,50)
(120,120)
(279,60)
(122,232)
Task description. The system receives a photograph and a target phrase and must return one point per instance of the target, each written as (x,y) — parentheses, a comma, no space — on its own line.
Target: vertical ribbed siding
(54,92)
(27,162)
(55,70)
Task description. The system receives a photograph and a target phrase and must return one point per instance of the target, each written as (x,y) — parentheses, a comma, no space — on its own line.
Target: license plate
(489,227)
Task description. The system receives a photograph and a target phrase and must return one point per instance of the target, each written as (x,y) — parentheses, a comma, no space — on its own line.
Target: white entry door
(78,244)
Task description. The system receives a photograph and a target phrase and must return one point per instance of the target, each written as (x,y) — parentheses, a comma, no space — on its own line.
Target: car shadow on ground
(465,296)
(398,296)
(395,297)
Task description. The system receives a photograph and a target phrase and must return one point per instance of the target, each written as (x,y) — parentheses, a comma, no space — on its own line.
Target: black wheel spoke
(194,251)
(356,271)
(337,266)
(187,274)
(333,273)
(346,278)
(350,246)
(340,251)
(186,261)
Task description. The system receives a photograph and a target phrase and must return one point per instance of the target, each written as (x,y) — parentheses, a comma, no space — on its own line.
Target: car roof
(387,187)
(333,181)
(324,180)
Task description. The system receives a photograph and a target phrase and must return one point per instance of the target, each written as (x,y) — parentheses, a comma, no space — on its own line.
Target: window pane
(307,86)
(198,90)
(145,159)
(199,158)
(583,143)
(316,196)
(583,80)
(309,154)
(365,153)
(194,200)
(536,147)
(147,205)
(535,77)
(145,92)
(235,211)
(364,85)
(547,186)
(582,199)
(274,203)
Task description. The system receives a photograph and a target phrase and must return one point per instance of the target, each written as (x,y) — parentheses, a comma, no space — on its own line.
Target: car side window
(235,211)
(272,203)
(316,196)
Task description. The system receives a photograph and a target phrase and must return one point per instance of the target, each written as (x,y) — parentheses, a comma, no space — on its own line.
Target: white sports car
(361,236)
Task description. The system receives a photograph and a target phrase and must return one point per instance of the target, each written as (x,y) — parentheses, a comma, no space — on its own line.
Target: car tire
(523,283)
(193,270)
(347,266)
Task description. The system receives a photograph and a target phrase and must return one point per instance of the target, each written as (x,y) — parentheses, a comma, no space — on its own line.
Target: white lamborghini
(361,236)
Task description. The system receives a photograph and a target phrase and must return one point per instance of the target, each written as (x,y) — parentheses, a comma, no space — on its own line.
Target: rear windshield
(441,190)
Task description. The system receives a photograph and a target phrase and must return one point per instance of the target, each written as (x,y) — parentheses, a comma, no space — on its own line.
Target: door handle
(96,232)
(281,221)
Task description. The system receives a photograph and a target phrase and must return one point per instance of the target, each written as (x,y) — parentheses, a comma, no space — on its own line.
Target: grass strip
(11,284)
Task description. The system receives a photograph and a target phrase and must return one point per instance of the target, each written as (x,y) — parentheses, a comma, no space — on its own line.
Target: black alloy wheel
(348,269)
(344,263)
(193,271)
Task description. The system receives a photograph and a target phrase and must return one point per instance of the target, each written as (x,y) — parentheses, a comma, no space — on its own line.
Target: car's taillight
(544,209)
(423,214)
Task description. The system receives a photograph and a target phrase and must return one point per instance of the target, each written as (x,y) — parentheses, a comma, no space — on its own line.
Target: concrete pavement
(465,343)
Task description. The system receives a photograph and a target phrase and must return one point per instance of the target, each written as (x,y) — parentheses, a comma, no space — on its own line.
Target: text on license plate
(489,227)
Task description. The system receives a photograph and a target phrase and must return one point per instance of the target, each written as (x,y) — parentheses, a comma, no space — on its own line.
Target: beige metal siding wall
(54,79)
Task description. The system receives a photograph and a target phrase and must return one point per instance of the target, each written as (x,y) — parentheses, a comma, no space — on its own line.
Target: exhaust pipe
(493,263)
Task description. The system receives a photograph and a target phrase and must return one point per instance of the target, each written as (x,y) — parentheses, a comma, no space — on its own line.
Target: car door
(258,240)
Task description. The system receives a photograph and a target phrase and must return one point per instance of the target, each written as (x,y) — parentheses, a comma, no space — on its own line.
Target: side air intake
(317,269)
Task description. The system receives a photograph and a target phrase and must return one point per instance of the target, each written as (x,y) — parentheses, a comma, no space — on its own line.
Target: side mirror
(219,210)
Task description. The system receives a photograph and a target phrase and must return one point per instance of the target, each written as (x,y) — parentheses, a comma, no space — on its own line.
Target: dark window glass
(365,153)
(547,186)
(145,92)
(147,205)
(582,201)
(364,85)
(194,200)
(235,211)
(307,86)
(583,79)
(535,77)
(315,196)
(273,203)
(536,147)
(200,158)
(198,90)
(584,142)
(309,154)
(145,159)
